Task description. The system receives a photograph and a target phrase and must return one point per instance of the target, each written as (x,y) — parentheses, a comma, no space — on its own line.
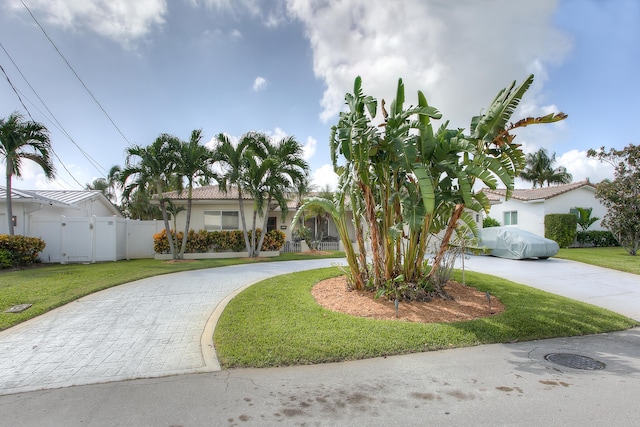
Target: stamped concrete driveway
(149,328)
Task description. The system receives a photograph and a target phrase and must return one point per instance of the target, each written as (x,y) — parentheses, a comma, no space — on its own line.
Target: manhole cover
(575,361)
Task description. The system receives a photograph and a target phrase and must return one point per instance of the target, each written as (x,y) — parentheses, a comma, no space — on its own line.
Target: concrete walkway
(153,327)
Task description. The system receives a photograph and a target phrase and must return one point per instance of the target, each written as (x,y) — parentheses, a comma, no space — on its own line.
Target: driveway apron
(147,328)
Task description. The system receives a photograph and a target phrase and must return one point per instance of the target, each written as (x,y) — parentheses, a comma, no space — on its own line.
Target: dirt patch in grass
(468,303)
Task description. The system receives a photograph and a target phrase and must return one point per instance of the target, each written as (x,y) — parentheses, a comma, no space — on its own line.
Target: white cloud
(123,21)
(260,83)
(459,56)
(581,167)
(324,176)
(309,149)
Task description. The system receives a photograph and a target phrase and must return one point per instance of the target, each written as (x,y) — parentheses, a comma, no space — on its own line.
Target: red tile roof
(208,192)
(537,193)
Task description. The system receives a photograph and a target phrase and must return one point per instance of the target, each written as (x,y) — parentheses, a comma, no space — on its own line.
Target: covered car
(515,243)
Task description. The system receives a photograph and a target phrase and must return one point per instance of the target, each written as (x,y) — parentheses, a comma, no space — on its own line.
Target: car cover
(516,243)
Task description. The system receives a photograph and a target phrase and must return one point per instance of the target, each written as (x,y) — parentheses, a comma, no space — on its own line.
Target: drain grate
(575,361)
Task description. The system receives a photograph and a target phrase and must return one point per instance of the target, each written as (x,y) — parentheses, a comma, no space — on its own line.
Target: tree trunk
(9,207)
(167,228)
(264,228)
(186,227)
(245,233)
(453,223)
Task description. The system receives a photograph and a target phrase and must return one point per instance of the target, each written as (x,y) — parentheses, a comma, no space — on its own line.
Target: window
(511,218)
(272,223)
(221,220)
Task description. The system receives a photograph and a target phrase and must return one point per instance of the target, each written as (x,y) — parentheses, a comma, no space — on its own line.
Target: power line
(55,121)
(15,90)
(75,73)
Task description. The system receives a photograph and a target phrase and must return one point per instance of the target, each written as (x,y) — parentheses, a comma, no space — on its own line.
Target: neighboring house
(526,209)
(52,203)
(213,209)
(77,225)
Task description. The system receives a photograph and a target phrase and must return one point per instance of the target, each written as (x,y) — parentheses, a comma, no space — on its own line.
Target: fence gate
(77,243)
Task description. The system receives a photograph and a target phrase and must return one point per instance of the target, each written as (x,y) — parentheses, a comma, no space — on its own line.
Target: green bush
(22,250)
(561,228)
(490,222)
(217,241)
(596,238)
(6,260)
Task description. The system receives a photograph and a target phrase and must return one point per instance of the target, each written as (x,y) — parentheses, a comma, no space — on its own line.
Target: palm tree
(101,185)
(539,169)
(233,160)
(20,140)
(154,170)
(281,170)
(193,163)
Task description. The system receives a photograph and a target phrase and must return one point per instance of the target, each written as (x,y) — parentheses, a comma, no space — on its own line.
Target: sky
(103,75)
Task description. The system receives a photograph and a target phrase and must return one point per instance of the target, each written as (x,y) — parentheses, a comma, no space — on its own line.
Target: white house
(527,208)
(77,225)
(27,204)
(213,209)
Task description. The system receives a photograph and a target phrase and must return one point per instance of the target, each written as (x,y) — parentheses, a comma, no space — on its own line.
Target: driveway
(612,289)
(153,327)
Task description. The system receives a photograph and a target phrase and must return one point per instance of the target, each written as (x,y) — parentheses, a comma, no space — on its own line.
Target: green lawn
(615,258)
(277,322)
(48,286)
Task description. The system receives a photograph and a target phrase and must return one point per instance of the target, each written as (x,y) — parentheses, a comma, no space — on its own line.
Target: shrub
(216,241)
(490,222)
(273,240)
(561,228)
(22,250)
(6,260)
(597,238)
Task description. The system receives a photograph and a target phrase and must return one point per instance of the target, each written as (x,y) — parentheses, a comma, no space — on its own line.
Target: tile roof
(213,192)
(207,192)
(537,193)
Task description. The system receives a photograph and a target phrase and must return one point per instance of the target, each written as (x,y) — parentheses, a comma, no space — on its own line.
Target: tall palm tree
(155,169)
(540,169)
(233,160)
(193,163)
(282,169)
(20,139)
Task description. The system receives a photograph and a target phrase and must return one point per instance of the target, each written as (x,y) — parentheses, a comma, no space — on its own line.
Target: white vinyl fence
(93,239)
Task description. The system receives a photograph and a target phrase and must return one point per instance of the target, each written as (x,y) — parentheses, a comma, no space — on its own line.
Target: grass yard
(48,286)
(615,258)
(277,322)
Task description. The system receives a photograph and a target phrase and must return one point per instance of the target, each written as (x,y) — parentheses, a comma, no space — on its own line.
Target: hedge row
(18,251)
(596,238)
(216,241)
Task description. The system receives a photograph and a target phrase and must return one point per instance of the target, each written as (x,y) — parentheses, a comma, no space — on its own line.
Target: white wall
(583,197)
(531,214)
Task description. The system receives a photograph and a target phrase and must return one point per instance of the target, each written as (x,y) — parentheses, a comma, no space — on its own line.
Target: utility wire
(55,121)
(15,90)
(29,113)
(74,72)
